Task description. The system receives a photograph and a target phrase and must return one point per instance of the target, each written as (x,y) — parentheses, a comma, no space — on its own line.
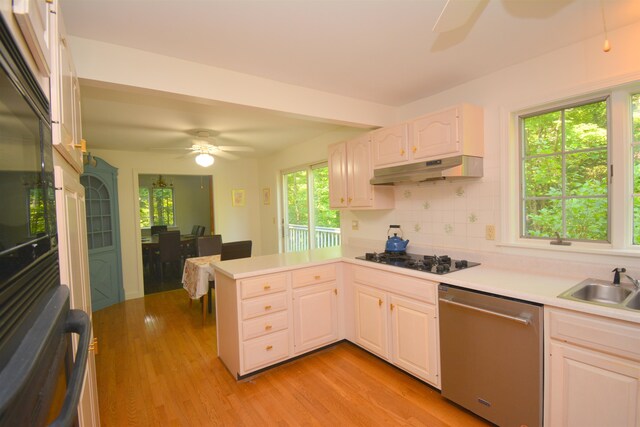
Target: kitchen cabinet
(266,319)
(389,145)
(350,170)
(451,132)
(74,272)
(396,318)
(65,97)
(33,19)
(592,372)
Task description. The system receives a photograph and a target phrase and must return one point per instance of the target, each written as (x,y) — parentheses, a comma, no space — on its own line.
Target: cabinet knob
(316,277)
(335,291)
(379,302)
(269,348)
(266,287)
(267,307)
(267,327)
(391,306)
(350,199)
(402,152)
(341,199)
(414,149)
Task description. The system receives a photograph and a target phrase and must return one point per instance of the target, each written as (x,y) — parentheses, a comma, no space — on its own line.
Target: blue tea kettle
(395,243)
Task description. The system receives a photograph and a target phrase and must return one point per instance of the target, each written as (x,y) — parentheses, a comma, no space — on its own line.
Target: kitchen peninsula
(273,308)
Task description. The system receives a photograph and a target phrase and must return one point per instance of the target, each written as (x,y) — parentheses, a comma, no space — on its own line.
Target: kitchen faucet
(635,282)
(616,277)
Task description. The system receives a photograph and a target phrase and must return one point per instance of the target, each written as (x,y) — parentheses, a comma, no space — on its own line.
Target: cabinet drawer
(263,351)
(313,275)
(423,290)
(264,325)
(599,333)
(263,285)
(264,305)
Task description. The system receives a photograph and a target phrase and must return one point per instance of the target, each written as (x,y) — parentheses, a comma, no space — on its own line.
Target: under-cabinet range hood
(448,168)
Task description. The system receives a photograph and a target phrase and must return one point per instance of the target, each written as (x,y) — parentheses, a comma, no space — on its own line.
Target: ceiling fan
(205,149)
(458,13)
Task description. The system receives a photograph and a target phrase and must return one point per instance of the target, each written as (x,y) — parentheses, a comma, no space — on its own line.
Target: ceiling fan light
(204,159)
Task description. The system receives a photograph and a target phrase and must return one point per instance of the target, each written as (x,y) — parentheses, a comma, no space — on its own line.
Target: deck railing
(324,237)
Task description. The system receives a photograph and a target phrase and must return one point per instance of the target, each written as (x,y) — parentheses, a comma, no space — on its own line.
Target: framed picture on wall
(237,197)
(266,196)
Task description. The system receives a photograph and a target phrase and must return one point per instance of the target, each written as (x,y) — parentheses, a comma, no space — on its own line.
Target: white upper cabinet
(65,98)
(447,133)
(389,145)
(350,170)
(452,132)
(33,18)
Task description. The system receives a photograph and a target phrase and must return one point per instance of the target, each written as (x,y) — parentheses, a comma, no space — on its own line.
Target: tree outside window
(564,167)
(635,117)
(156,207)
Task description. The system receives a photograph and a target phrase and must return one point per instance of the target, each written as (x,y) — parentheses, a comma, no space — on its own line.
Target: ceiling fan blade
(455,14)
(235,148)
(225,155)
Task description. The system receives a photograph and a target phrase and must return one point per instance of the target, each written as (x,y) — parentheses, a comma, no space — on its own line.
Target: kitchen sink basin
(634,302)
(604,293)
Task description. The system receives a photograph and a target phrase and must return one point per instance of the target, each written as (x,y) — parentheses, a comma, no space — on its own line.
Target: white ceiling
(381,51)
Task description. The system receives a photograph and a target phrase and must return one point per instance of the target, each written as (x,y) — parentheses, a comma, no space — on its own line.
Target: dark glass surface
(436,264)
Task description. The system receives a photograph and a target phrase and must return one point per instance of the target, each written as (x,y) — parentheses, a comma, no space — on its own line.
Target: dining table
(197,273)
(152,242)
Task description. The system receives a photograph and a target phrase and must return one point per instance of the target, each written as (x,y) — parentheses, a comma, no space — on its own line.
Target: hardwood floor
(157,366)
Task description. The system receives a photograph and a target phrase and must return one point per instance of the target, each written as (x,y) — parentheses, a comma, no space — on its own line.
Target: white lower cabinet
(414,336)
(315,316)
(400,328)
(592,369)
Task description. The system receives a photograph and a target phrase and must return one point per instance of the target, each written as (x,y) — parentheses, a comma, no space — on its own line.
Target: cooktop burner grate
(437,264)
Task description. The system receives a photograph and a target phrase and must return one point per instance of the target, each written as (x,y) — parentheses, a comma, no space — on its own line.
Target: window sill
(575,248)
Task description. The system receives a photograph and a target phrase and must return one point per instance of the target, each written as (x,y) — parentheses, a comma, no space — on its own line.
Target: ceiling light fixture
(204,159)
(607,46)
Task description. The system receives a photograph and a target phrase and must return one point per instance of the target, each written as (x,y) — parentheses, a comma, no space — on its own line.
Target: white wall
(452,216)
(234,223)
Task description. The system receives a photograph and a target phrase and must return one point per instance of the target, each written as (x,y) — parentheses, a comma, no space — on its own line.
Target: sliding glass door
(308,221)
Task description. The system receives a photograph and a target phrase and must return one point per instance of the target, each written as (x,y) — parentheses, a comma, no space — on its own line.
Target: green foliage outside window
(635,116)
(325,216)
(297,204)
(156,207)
(565,179)
(36,212)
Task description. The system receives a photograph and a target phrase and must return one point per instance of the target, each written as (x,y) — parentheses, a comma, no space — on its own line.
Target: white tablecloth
(196,275)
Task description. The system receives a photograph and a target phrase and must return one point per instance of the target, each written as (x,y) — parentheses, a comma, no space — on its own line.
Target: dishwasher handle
(522,320)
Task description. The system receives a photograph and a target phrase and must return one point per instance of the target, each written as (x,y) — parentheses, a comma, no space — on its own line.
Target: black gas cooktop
(428,263)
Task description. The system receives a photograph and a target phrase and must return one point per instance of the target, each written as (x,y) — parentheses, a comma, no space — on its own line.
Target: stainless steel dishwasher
(491,355)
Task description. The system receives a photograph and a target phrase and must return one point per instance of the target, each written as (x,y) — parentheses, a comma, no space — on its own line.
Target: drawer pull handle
(266,287)
(267,307)
(316,277)
(267,327)
(269,348)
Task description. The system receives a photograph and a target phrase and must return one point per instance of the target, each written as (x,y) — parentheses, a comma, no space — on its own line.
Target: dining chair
(194,230)
(156,229)
(169,251)
(200,231)
(209,245)
(235,250)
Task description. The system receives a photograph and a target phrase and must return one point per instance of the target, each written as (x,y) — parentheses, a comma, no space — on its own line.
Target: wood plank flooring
(157,366)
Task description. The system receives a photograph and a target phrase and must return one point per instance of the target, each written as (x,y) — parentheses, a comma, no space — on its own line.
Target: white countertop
(540,288)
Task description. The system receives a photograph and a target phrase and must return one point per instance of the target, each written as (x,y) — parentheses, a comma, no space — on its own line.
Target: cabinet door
(65,100)
(371,320)
(337,160)
(414,339)
(435,135)
(359,172)
(33,19)
(589,388)
(315,311)
(74,272)
(389,145)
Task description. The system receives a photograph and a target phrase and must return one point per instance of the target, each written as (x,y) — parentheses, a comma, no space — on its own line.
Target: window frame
(620,187)
(563,153)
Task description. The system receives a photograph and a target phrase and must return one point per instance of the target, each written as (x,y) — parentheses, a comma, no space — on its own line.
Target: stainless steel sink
(604,293)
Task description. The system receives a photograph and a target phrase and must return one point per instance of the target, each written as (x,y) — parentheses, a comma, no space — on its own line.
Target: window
(307,212)
(156,207)
(565,173)
(635,120)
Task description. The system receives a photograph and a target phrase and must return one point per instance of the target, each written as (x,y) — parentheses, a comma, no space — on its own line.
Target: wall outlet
(355,224)
(490,232)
